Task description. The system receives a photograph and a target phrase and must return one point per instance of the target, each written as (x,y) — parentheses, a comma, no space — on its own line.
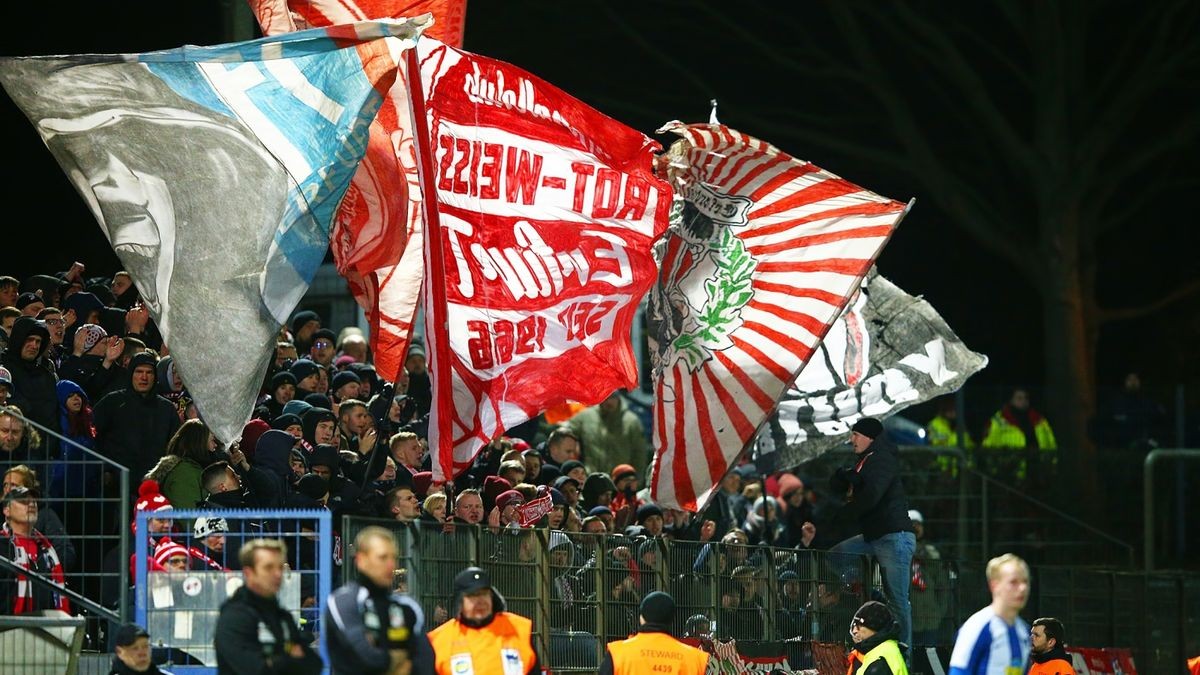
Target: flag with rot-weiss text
(215,173)
(541,216)
(763,253)
(376,239)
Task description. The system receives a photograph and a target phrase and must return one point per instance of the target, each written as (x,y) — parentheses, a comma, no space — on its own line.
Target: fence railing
(41,645)
(582,591)
(180,608)
(84,504)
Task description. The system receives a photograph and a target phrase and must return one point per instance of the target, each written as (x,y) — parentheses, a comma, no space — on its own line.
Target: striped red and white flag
(763,252)
(377,235)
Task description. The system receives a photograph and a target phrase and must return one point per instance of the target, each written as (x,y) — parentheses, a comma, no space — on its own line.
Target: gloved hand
(381,403)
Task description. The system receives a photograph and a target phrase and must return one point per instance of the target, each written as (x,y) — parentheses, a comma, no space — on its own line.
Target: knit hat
(421,481)
(253,431)
(284,421)
(312,486)
(621,470)
(788,575)
(6,377)
(324,455)
(915,516)
(874,615)
(343,361)
(646,511)
(563,480)
(26,299)
(281,378)
(869,427)
(319,400)
(557,498)
(303,368)
(168,549)
(342,378)
(415,349)
(570,465)
(150,497)
(295,407)
(301,319)
(493,486)
(324,333)
(509,497)
(657,608)
(788,484)
(599,511)
(93,334)
(206,527)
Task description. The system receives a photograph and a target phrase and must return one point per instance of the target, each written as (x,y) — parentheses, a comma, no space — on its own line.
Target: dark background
(646,63)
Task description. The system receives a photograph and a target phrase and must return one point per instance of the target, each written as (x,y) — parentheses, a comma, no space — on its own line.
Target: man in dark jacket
(134,425)
(33,378)
(372,630)
(875,496)
(254,634)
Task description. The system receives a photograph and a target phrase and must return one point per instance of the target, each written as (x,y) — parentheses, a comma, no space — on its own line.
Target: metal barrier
(37,645)
(179,607)
(85,501)
(1148,523)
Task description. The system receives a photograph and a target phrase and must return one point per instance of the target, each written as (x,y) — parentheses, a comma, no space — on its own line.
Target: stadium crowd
(82,358)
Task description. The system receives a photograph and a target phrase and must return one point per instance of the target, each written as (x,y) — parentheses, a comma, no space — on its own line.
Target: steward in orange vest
(1049,657)
(653,650)
(482,639)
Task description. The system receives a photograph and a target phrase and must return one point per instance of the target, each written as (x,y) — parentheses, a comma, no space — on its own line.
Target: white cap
(915,516)
(204,527)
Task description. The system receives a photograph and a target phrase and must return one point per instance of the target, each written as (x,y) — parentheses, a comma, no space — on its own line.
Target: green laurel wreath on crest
(728,291)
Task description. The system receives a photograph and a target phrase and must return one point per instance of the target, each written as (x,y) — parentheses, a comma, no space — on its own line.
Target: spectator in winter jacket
(23,544)
(48,522)
(134,425)
(876,651)
(875,496)
(611,434)
(94,362)
(33,376)
(179,472)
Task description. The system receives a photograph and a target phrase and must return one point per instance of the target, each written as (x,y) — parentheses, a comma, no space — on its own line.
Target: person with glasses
(323,347)
(57,325)
(876,650)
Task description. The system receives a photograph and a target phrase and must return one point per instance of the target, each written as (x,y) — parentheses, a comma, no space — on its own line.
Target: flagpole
(435,314)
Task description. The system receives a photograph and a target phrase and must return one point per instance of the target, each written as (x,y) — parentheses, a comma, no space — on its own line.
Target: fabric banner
(886,352)
(545,213)
(215,173)
(763,253)
(377,235)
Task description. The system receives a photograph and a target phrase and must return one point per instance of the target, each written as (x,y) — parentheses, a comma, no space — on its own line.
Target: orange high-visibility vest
(503,647)
(656,653)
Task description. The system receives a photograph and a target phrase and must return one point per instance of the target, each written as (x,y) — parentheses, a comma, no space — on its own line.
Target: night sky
(646,63)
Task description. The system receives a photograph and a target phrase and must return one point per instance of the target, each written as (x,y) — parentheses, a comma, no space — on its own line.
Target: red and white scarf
(35,553)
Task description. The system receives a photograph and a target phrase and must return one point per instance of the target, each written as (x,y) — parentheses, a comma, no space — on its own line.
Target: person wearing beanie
(134,425)
(650,516)
(875,497)
(373,630)
(575,469)
(482,637)
(324,347)
(653,649)
(282,389)
(345,385)
(289,423)
(876,651)
(625,478)
(304,325)
(308,377)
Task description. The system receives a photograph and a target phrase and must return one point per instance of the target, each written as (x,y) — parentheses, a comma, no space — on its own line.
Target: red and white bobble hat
(168,549)
(150,498)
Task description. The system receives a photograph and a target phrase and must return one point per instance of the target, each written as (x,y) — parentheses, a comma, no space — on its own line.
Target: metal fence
(583,590)
(41,645)
(179,607)
(84,504)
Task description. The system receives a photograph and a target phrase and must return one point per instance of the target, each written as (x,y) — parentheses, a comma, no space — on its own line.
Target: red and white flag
(376,238)
(541,215)
(763,252)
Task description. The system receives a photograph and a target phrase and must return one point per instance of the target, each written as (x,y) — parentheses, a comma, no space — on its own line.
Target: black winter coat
(878,500)
(254,634)
(133,429)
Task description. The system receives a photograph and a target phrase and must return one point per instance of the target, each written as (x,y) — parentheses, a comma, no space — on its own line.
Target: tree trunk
(1069,362)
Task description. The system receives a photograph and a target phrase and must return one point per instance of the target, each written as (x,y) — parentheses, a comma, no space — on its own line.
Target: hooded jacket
(33,381)
(132,428)
(595,485)
(79,473)
(878,500)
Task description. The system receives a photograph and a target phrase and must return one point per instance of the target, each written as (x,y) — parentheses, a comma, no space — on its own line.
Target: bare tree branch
(1121,314)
